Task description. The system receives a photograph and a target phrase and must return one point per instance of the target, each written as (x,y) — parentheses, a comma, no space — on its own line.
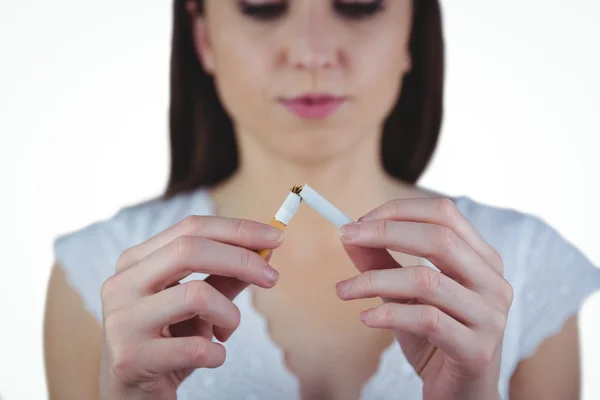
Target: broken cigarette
(292,203)
(284,215)
(324,207)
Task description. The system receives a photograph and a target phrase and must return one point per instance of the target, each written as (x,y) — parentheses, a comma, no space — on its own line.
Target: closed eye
(266,10)
(358,9)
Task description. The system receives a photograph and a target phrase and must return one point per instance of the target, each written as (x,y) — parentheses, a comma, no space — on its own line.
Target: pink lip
(313,106)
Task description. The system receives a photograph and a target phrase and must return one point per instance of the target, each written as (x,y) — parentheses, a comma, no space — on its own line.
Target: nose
(312,44)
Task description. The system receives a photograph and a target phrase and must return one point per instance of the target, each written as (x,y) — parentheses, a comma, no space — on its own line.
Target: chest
(325,345)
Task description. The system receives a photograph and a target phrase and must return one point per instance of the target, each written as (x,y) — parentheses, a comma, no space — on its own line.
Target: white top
(551,278)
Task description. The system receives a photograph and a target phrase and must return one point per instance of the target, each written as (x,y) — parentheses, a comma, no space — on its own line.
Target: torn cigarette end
(284,215)
(296,189)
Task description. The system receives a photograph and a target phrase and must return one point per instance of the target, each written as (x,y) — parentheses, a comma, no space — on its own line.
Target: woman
(465,301)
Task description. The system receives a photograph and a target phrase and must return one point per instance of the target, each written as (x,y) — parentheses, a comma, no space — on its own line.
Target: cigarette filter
(324,207)
(285,213)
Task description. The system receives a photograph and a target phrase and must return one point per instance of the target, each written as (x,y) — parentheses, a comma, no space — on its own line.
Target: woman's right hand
(157,331)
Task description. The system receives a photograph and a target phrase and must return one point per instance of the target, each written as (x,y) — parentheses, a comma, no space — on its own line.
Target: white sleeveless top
(550,277)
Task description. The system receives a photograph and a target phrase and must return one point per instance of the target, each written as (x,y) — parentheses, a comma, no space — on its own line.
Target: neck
(355,182)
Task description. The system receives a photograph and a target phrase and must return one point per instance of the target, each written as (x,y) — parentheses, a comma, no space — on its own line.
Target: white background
(83,132)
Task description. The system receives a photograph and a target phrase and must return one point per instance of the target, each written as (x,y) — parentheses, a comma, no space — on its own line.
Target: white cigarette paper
(288,208)
(324,207)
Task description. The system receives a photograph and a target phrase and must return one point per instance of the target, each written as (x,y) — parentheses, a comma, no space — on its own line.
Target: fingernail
(271,275)
(342,287)
(350,231)
(365,315)
(271,234)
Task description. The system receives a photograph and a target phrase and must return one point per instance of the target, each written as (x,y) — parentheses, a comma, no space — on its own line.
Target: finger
(436,243)
(239,232)
(366,258)
(165,355)
(440,211)
(230,288)
(188,254)
(181,303)
(422,283)
(426,321)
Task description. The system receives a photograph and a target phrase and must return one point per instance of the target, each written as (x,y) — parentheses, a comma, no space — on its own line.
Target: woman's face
(307,79)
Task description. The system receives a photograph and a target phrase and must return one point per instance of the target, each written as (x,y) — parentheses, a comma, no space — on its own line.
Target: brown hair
(203,146)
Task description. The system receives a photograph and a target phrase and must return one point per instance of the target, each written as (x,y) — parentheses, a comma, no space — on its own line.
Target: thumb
(367,258)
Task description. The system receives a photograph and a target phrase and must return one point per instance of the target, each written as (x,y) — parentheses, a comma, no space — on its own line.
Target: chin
(316,146)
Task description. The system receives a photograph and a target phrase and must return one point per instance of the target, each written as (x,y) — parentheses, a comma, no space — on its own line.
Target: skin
(449,325)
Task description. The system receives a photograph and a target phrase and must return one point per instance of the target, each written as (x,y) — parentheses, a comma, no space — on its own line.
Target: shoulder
(518,236)
(530,247)
(88,255)
(490,218)
(514,234)
(550,275)
(146,219)
(136,223)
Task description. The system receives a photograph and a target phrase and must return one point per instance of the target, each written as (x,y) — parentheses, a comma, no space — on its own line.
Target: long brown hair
(203,146)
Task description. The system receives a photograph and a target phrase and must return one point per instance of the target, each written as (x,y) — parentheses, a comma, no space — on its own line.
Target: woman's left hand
(450,324)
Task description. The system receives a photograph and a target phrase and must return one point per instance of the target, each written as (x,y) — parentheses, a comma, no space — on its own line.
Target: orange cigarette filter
(284,215)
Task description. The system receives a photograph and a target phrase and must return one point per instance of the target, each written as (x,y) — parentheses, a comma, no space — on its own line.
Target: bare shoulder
(72,340)
(553,371)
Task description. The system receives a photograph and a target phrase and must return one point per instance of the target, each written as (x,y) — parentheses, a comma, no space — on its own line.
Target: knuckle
(240,228)
(443,239)
(109,286)
(124,361)
(366,283)
(382,228)
(114,322)
(184,247)
(498,321)
(124,260)
(388,315)
(430,319)
(447,209)
(497,259)
(148,386)
(507,294)
(484,356)
(191,224)
(186,225)
(234,317)
(396,207)
(238,317)
(427,281)
(196,350)
(245,258)
(196,295)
